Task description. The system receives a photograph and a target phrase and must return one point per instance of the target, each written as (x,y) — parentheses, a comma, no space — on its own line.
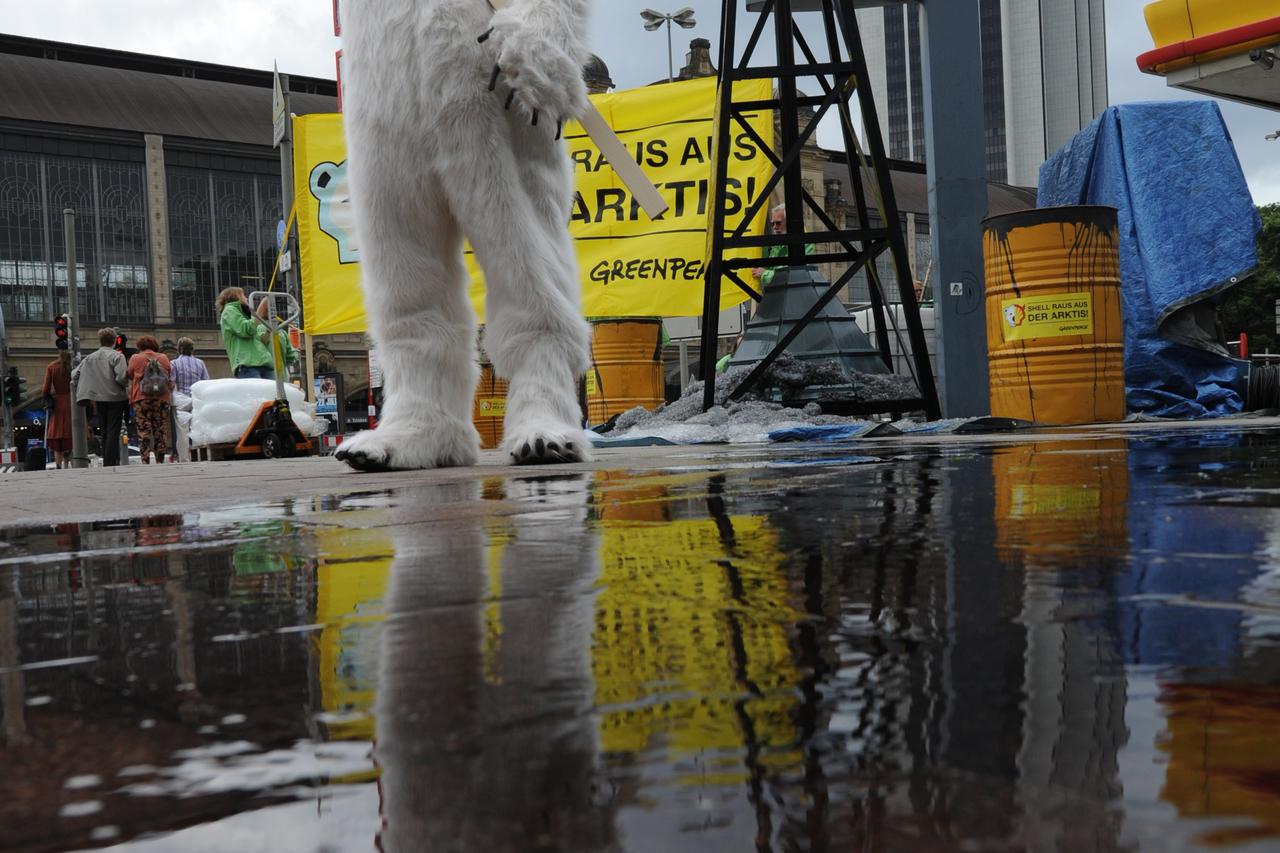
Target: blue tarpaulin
(833,432)
(1188,231)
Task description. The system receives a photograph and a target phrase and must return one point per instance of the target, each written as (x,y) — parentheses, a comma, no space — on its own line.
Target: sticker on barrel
(1055,316)
(491,407)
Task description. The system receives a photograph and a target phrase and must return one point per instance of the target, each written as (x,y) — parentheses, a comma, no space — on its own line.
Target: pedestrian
(150,393)
(777,227)
(186,371)
(102,381)
(56,392)
(247,338)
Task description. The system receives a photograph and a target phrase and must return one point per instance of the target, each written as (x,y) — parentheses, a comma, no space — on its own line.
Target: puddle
(1047,644)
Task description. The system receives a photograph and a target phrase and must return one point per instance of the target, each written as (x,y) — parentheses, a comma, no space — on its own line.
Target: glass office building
(1044,77)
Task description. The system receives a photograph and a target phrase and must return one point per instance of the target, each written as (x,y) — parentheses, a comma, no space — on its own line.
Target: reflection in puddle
(486,739)
(1064,644)
(1220,741)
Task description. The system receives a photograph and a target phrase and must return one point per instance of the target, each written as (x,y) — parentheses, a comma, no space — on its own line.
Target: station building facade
(177,190)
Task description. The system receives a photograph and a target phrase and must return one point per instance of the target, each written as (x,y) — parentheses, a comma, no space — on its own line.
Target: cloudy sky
(299,35)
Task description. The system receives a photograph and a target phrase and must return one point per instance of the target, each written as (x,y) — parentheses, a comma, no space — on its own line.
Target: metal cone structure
(857,243)
(832,336)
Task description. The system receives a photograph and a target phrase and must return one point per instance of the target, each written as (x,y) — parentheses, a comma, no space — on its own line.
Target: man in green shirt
(723,364)
(777,225)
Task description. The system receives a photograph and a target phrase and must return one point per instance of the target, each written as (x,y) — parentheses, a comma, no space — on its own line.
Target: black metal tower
(840,78)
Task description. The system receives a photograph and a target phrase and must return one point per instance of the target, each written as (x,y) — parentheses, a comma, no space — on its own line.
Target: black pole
(897,244)
(711,292)
(853,163)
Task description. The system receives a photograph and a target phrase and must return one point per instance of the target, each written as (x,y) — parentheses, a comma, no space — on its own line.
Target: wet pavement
(1058,642)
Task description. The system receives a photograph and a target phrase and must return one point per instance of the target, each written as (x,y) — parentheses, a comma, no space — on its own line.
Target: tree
(1251,307)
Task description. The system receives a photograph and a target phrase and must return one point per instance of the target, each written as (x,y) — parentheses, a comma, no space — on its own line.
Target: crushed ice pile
(222,409)
(753,418)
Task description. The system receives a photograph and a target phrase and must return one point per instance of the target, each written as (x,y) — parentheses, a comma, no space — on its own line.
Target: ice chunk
(222,409)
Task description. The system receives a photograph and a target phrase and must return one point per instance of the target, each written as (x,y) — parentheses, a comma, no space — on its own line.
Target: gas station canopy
(1225,49)
(816,5)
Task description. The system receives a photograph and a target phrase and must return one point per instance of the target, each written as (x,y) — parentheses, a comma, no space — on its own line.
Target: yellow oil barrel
(1218,740)
(626,367)
(490,407)
(624,496)
(1055,334)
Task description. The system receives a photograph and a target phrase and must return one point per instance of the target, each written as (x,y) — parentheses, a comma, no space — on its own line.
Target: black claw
(484,36)
(363,462)
(525,451)
(541,447)
(511,97)
(559,128)
(493,78)
(553,447)
(535,118)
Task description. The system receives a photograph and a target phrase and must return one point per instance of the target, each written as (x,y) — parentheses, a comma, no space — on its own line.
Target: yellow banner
(1055,316)
(631,266)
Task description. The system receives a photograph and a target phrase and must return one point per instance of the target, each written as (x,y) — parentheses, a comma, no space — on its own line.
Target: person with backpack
(149,392)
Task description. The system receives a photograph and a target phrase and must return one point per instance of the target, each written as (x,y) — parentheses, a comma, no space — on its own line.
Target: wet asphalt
(1054,642)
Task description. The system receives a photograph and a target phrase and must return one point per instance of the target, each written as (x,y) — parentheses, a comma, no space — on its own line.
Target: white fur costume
(435,154)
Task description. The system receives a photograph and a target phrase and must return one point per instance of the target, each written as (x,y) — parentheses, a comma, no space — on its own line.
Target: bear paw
(402,448)
(546,82)
(545,444)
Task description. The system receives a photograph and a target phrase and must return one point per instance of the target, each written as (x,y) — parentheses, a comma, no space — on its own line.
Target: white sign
(279,115)
(286,261)
(375,369)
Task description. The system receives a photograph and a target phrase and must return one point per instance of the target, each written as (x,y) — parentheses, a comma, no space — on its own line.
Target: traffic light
(62,331)
(121,340)
(14,386)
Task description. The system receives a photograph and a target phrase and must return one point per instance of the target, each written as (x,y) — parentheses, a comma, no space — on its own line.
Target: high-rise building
(1044,77)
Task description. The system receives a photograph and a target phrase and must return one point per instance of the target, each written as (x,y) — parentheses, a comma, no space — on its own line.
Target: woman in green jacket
(247,338)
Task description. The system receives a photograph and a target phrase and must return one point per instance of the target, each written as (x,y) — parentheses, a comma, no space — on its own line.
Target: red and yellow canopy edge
(1187,32)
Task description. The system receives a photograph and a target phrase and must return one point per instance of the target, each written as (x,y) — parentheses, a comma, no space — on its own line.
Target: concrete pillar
(158,225)
(954,147)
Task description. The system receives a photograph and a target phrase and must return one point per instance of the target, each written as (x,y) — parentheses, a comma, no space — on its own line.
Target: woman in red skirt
(57,398)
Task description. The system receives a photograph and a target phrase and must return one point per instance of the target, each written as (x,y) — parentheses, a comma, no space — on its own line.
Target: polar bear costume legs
(435,155)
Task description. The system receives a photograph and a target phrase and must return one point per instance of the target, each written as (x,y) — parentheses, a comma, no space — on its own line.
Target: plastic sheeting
(222,409)
(1188,231)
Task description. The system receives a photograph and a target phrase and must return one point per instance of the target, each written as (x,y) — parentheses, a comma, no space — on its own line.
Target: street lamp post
(653,20)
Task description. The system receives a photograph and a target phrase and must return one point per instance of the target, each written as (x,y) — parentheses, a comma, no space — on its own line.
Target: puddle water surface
(1059,644)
